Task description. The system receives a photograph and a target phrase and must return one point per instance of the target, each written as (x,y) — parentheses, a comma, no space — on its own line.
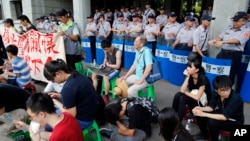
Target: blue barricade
(129,54)
(162,55)
(118,44)
(243,66)
(99,52)
(177,64)
(86,47)
(214,67)
(244,93)
(242,70)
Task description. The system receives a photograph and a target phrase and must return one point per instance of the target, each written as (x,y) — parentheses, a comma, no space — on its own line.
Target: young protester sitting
(138,125)
(112,61)
(21,72)
(225,109)
(195,80)
(171,128)
(78,96)
(40,108)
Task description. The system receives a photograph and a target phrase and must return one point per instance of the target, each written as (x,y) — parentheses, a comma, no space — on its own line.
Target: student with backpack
(140,113)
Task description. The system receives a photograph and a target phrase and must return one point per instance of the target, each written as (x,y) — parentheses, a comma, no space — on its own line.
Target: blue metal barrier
(177,64)
(162,55)
(244,93)
(214,67)
(86,47)
(99,52)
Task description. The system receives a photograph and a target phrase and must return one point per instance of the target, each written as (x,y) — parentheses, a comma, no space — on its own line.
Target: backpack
(146,103)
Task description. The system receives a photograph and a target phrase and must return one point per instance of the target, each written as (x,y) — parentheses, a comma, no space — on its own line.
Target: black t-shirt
(79,92)
(139,118)
(231,107)
(12,97)
(201,81)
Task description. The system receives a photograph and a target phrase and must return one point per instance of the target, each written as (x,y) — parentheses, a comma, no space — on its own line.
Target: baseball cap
(120,15)
(190,18)
(238,15)
(135,16)
(90,16)
(147,3)
(207,17)
(151,16)
(162,8)
(172,14)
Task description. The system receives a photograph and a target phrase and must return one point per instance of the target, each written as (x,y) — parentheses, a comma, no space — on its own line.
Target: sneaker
(105,98)
(200,137)
(106,132)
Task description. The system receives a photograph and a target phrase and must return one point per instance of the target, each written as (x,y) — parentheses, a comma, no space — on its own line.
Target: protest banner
(36,48)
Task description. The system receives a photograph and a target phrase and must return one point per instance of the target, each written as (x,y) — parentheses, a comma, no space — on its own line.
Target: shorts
(114,74)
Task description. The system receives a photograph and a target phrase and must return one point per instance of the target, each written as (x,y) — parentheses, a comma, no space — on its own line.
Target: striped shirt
(21,67)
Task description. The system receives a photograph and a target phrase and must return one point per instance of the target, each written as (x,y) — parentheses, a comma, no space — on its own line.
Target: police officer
(171,29)
(148,11)
(202,36)
(96,15)
(119,27)
(184,39)
(90,33)
(232,42)
(162,18)
(151,31)
(134,28)
(104,28)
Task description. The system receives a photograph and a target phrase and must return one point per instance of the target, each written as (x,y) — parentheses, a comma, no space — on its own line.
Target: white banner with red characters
(36,48)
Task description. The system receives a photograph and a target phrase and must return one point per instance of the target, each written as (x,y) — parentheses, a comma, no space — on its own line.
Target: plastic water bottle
(94,63)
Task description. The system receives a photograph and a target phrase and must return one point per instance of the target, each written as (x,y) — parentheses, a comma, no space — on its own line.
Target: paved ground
(164,95)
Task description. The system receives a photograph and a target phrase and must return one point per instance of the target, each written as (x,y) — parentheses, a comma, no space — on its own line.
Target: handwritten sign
(36,48)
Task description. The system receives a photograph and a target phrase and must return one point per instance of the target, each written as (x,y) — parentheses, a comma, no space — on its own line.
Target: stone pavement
(165,92)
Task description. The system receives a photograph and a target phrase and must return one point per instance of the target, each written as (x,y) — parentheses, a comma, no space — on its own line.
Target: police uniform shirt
(151,28)
(185,35)
(91,26)
(104,28)
(247,24)
(116,15)
(200,37)
(171,28)
(148,12)
(161,19)
(96,16)
(241,34)
(109,16)
(134,26)
(120,25)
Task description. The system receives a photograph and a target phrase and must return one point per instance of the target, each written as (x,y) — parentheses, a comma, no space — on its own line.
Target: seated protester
(171,129)
(142,66)
(40,108)
(21,72)
(138,125)
(12,98)
(195,79)
(225,109)
(78,95)
(112,61)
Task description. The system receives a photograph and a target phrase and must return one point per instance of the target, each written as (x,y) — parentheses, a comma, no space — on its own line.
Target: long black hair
(54,66)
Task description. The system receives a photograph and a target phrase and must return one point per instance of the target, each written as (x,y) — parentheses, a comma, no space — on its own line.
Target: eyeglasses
(224,90)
